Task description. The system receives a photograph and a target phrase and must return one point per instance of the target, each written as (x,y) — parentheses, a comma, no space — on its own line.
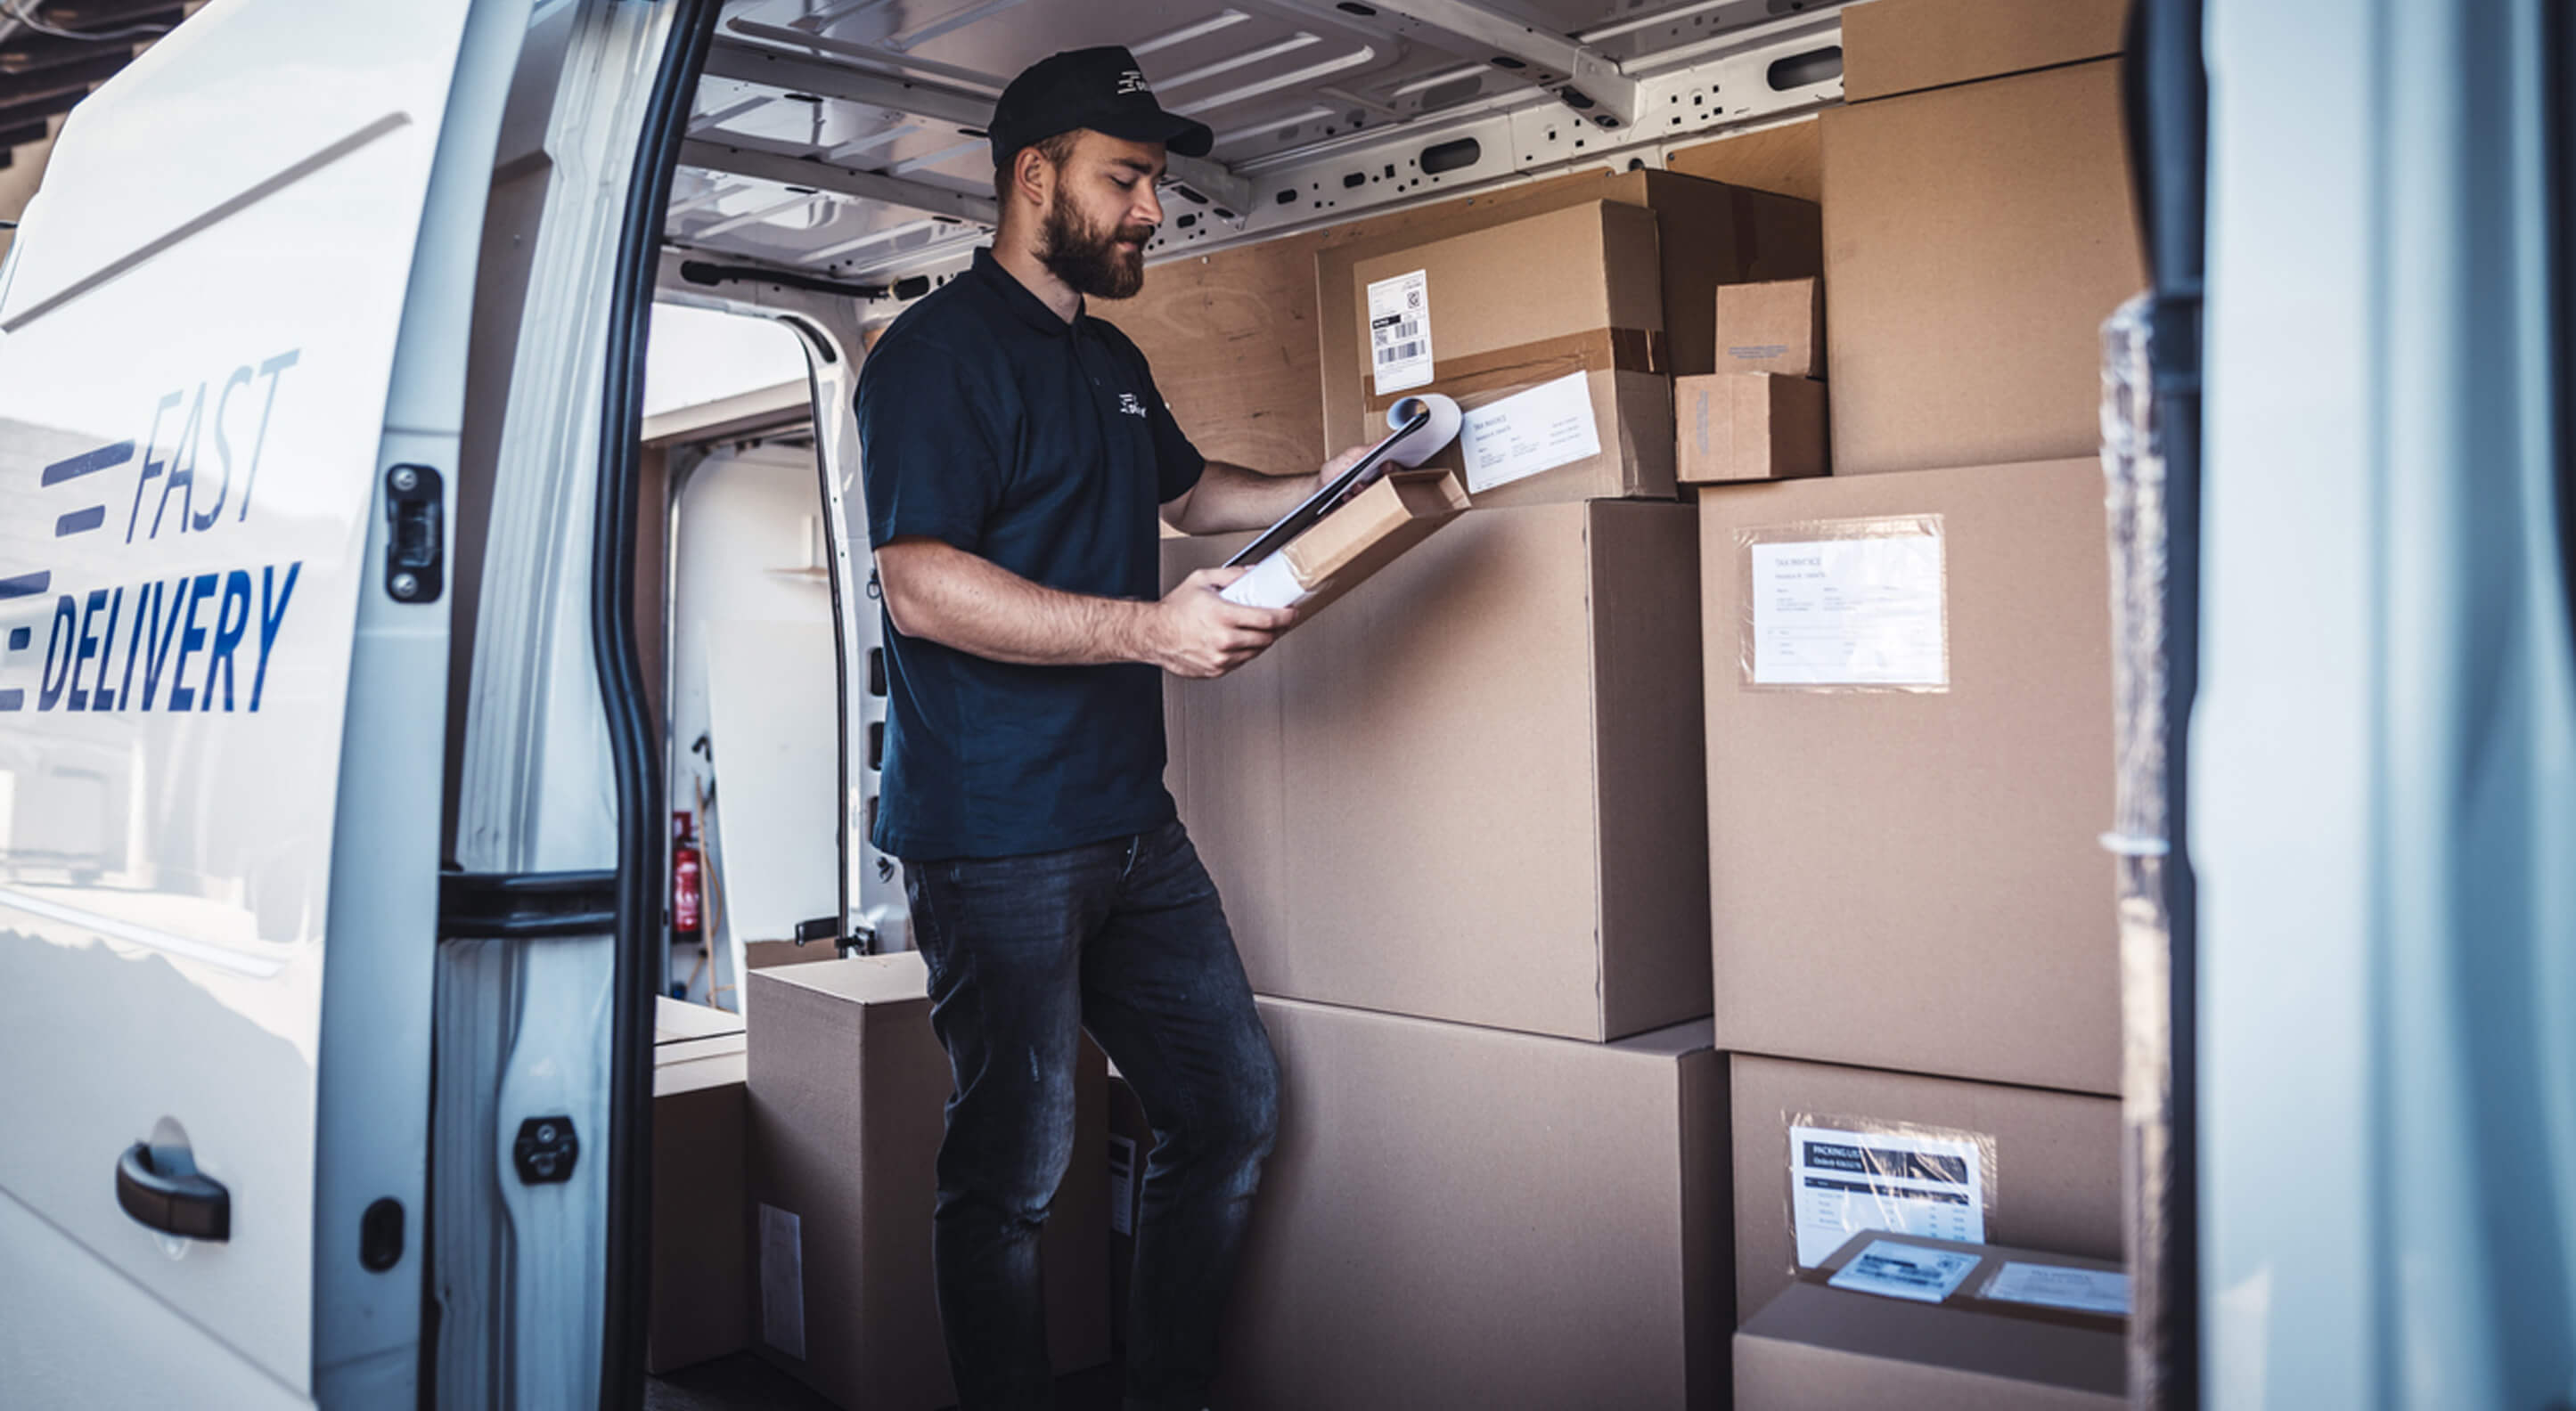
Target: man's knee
(1239,1127)
(1010,1155)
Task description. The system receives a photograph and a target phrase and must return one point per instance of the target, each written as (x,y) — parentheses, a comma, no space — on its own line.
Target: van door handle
(163,1189)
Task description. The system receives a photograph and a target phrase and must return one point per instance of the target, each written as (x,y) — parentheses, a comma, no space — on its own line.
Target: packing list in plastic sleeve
(1545,427)
(1843,1181)
(1857,610)
(1400,331)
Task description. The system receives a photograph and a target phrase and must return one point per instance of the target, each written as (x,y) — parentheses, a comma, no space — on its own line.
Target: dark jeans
(1126,939)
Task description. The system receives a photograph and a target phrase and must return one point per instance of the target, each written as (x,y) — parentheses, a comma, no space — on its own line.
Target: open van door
(232,341)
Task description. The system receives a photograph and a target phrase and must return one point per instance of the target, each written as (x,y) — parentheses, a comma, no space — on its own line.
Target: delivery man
(1016,456)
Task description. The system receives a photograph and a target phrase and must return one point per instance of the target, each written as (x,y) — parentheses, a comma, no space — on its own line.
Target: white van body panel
(194,360)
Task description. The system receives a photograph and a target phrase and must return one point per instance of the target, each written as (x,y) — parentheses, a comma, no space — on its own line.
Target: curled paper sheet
(1422,445)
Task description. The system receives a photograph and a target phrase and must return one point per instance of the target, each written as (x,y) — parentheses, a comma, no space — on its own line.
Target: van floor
(744,1382)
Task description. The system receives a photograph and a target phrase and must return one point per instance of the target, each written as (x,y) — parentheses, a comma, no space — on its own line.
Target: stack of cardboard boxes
(1820,756)
(1457,818)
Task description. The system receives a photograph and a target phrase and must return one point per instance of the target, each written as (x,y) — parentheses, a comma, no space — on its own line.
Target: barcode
(1399,352)
(1399,328)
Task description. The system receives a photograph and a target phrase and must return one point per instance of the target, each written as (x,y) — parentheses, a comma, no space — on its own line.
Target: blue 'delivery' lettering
(272,616)
(58,648)
(232,618)
(191,637)
(78,699)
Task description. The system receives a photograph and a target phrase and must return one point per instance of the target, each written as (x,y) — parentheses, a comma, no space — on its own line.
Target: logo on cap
(1133,81)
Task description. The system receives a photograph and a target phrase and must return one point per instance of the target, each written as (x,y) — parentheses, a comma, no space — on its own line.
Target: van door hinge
(515,906)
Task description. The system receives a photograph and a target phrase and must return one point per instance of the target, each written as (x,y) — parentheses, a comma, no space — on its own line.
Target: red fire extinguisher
(684,874)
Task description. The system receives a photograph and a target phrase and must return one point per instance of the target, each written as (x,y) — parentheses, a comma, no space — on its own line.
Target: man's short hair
(1055,149)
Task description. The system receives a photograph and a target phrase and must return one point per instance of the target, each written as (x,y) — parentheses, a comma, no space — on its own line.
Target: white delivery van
(333,818)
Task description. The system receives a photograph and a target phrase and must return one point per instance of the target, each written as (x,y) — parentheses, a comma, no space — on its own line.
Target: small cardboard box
(1366,533)
(848,1086)
(1907,790)
(2044,1166)
(1975,239)
(1821,1348)
(700,1305)
(1776,326)
(1899,46)
(1472,792)
(1472,317)
(1720,233)
(1734,426)
(1463,1217)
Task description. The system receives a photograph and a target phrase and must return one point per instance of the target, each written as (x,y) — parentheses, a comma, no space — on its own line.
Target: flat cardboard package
(1821,1348)
(1493,328)
(1775,326)
(700,1306)
(2047,1164)
(1464,1217)
(1360,536)
(847,1089)
(1901,875)
(1472,791)
(1975,239)
(1898,46)
(1733,426)
(1712,233)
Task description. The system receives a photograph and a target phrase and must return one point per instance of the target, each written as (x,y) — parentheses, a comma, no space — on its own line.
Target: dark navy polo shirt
(988,422)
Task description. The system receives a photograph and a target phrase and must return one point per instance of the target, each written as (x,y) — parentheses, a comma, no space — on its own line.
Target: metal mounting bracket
(1583,78)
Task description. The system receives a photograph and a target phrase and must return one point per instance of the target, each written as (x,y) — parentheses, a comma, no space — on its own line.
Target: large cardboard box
(1821,1348)
(1909,756)
(1472,791)
(2044,1166)
(1735,426)
(700,1304)
(1464,1217)
(847,1088)
(1710,234)
(1899,46)
(1975,239)
(1498,313)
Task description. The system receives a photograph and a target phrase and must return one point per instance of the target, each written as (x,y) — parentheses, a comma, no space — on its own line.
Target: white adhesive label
(1842,1183)
(1122,1185)
(1545,427)
(1908,1271)
(782,1280)
(2056,1286)
(1400,331)
(1850,612)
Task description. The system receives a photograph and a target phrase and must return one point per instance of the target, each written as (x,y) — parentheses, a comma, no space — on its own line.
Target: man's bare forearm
(962,600)
(1229,497)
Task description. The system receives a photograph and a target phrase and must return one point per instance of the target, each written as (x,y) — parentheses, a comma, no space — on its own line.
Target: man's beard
(1088,258)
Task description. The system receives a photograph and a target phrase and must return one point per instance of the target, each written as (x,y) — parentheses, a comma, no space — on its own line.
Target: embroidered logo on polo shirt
(1133,81)
(1128,404)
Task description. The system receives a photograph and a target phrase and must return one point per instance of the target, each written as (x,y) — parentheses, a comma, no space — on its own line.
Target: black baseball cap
(1101,89)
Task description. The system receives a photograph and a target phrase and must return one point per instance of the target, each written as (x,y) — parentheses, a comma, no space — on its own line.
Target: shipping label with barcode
(1400,331)
(1842,1182)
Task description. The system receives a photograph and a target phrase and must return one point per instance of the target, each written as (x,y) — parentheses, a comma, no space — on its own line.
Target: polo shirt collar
(1015,296)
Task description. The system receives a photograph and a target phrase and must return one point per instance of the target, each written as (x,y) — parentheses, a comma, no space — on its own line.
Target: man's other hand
(1194,632)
